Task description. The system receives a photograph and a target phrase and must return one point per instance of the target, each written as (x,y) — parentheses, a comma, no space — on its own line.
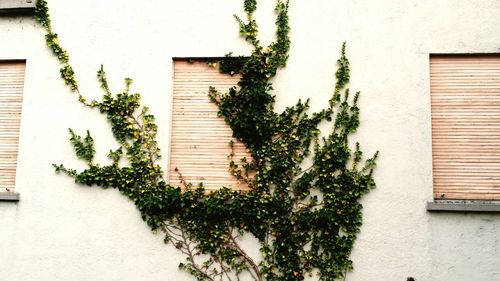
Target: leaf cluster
(304,217)
(52,41)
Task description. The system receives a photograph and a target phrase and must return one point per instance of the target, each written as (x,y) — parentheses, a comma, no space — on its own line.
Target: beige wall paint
(62,231)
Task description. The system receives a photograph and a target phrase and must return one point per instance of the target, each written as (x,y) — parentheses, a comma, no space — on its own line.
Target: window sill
(13,7)
(9,196)
(463,206)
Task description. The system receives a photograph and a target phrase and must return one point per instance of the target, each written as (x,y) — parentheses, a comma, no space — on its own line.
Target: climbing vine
(304,218)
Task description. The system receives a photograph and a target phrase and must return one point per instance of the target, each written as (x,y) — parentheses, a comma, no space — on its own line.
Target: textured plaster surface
(62,231)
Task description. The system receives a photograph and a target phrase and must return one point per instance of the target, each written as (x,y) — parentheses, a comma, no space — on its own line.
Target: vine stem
(187,246)
(245,256)
(224,269)
(181,178)
(141,128)
(154,178)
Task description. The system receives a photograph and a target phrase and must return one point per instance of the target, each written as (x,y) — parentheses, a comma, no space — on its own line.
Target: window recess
(199,147)
(11,99)
(465,106)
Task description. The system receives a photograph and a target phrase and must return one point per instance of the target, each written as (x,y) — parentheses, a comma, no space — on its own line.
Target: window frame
(173,175)
(458,205)
(10,193)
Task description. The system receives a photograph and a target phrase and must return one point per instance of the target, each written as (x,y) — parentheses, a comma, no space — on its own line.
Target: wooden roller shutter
(11,89)
(200,147)
(465,104)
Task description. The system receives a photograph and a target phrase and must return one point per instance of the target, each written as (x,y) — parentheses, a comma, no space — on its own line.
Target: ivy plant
(305,218)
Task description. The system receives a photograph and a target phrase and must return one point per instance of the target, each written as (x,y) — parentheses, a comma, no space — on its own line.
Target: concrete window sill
(17,6)
(9,196)
(463,206)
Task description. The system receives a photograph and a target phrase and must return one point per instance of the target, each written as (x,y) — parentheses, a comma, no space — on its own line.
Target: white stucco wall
(62,231)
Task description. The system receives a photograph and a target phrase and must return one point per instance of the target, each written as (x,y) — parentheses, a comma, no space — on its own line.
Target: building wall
(63,231)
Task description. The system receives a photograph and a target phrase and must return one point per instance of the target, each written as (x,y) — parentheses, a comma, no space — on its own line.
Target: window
(465,105)
(199,147)
(11,89)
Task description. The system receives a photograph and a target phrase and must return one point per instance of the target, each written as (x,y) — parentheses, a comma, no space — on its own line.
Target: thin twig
(188,250)
(247,258)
